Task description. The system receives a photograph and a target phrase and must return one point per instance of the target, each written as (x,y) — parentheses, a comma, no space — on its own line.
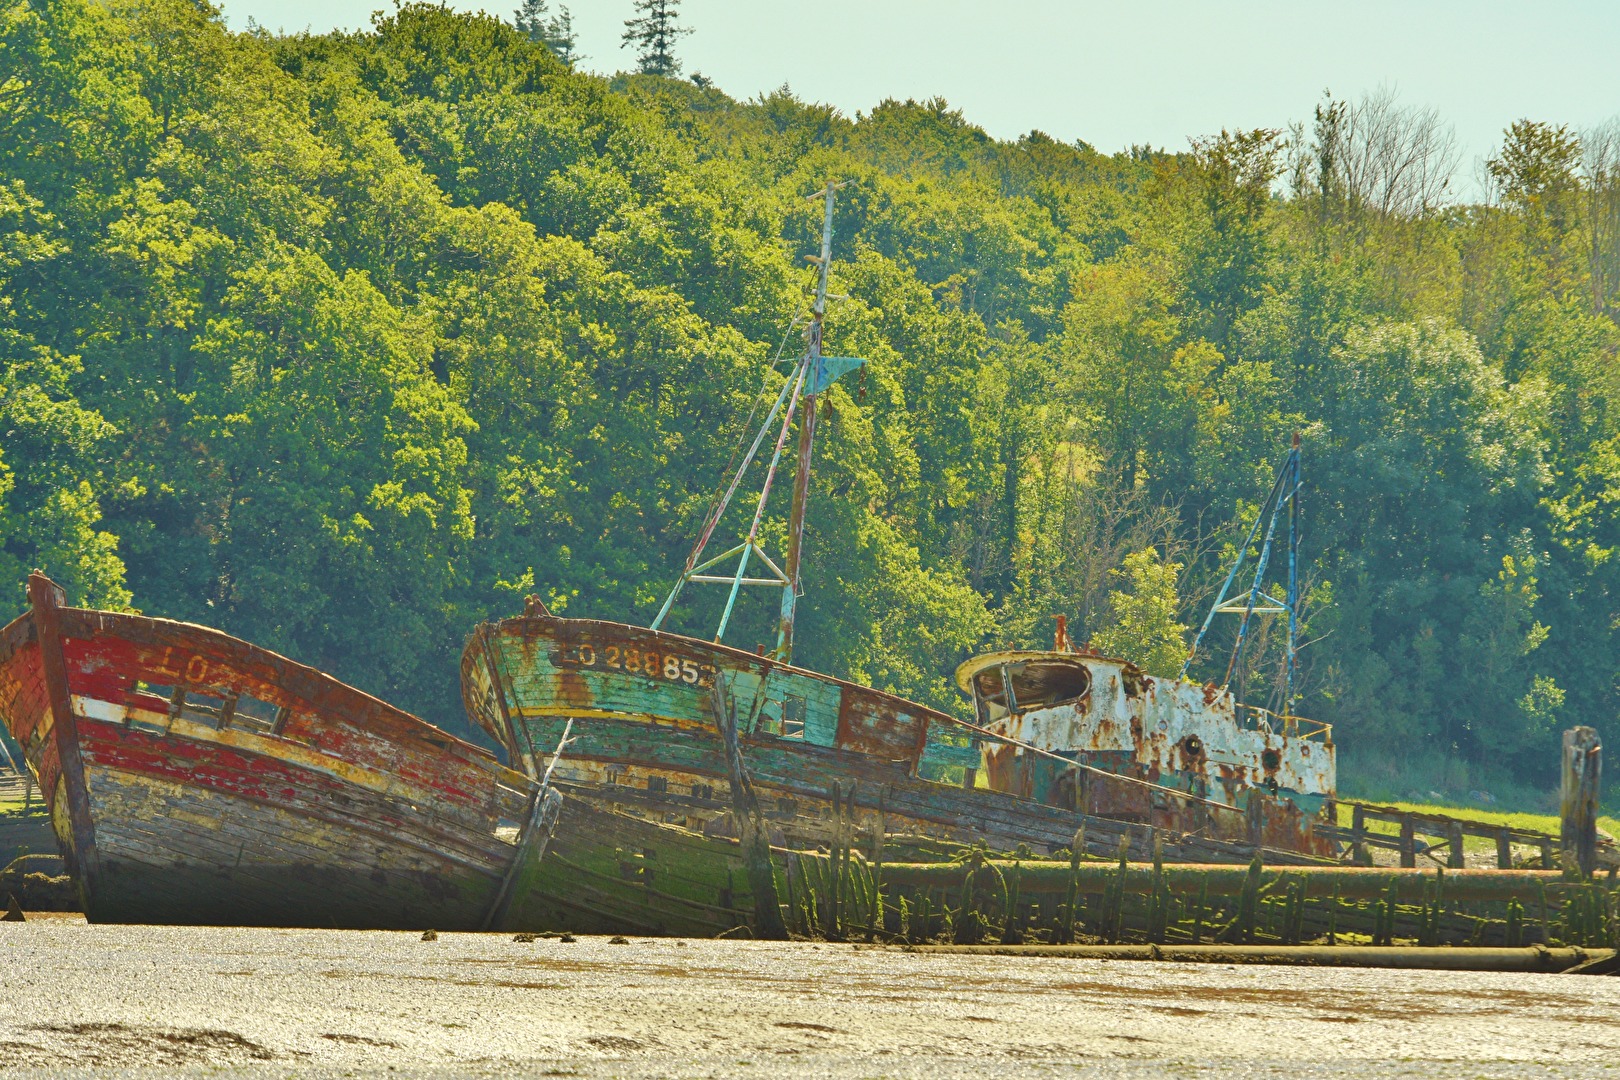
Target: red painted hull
(195,778)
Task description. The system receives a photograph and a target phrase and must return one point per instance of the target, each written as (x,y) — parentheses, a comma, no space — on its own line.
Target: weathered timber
(646,736)
(756,849)
(1582,765)
(1534,959)
(217,782)
(533,841)
(607,872)
(1448,826)
(1351,882)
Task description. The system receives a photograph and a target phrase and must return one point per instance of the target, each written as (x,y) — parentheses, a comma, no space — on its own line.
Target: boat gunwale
(764,663)
(362,709)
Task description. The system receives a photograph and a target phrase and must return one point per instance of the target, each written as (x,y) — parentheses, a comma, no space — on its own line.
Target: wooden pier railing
(1581,760)
(1450,830)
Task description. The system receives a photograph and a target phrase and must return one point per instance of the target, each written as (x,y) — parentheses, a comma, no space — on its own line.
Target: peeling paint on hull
(217,782)
(644,739)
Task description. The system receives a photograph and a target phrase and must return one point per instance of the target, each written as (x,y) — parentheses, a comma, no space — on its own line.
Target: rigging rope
(723,494)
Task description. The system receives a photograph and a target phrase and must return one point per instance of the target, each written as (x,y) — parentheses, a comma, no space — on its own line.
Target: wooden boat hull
(194,778)
(644,737)
(607,872)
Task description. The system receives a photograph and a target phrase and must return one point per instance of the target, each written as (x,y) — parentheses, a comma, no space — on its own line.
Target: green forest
(344,343)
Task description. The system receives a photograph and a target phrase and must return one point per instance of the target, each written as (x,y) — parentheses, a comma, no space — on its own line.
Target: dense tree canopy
(343,343)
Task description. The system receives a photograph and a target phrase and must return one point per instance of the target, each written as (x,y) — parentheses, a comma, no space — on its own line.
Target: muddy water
(115,999)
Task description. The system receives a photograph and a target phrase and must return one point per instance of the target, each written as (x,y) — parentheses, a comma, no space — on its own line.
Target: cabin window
(1035,684)
(657,784)
(793,717)
(702,791)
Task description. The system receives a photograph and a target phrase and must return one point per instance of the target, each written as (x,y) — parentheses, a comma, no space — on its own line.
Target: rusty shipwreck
(1275,772)
(194,778)
(1272,771)
(825,756)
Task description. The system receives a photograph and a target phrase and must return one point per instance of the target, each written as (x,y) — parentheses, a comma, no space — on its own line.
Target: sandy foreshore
(114,999)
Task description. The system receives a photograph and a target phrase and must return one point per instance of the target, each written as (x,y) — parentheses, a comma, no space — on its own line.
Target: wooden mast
(807,434)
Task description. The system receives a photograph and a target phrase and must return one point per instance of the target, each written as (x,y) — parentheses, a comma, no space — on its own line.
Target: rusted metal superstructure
(195,778)
(1252,775)
(1249,772)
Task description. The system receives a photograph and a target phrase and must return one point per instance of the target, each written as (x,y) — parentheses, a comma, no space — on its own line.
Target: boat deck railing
(1254,718)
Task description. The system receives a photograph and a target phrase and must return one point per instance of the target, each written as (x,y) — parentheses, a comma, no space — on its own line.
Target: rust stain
(1168,732)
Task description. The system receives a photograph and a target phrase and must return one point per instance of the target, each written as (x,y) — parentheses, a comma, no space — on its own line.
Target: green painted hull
(644,738)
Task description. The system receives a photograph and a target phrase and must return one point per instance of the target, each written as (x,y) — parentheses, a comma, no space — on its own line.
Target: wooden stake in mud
(877,921)
(1077,852)
(756,845)
(1582,766)
(835,862)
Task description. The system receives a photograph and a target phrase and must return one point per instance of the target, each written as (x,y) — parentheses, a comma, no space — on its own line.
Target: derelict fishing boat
(645,703)
(1254,774)
(1274,773)
(195,778)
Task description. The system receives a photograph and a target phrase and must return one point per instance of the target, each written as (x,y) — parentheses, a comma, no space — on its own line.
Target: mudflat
(248,1002)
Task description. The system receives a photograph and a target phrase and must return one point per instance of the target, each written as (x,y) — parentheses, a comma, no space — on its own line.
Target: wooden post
(1454,857)
(1578,807)
(1504,850)
(1257,818)
(1408,842)
(879,833)
(1077,851)
(755,841)
(835,862)
(1358,846)
(877,921)
(1547,853)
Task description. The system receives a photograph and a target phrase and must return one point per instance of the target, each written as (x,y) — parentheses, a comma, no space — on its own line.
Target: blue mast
(1255,600)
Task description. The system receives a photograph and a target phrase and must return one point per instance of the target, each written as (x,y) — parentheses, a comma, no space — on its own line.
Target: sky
(1154,72)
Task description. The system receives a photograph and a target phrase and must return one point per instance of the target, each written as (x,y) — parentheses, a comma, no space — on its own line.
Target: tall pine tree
(556,33)
(654,32)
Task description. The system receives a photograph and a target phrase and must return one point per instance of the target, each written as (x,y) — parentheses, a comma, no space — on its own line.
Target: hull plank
(220,783)
(610,873)
(644,739)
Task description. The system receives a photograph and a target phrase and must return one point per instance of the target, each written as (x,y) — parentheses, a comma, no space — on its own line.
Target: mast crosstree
(1255,600)
(813,374)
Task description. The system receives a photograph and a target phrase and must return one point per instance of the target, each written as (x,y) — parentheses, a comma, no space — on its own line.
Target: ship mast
(807,435)
(1254,600)
(810,376)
